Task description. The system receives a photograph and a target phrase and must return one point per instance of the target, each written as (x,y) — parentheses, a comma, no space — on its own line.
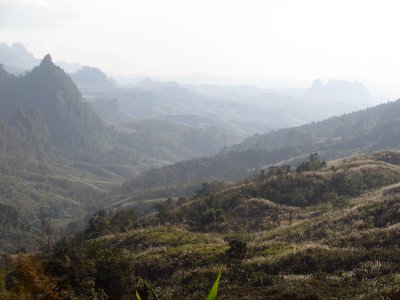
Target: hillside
(362,131)
(327,231)
(58,157)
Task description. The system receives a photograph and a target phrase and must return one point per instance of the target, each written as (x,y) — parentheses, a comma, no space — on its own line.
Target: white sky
(307,39)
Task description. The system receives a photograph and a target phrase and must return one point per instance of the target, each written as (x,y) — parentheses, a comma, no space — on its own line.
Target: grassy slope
(327,252)
(343,248)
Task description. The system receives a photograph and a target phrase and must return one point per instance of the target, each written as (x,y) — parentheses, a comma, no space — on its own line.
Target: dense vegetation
(288,233)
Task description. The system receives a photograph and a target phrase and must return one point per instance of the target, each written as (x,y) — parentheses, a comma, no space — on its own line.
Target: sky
(302,40)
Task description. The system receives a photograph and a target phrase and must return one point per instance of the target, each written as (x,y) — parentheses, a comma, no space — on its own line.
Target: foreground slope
(318,232)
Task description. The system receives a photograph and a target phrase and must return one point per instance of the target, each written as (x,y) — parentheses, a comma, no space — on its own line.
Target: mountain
(330,231)
(337,97)
(90,78)
(337,91)
(17,59)
(362,131)
(54,155)
(73,127)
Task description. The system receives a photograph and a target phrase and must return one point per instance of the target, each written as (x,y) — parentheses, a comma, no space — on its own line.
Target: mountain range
(241,109)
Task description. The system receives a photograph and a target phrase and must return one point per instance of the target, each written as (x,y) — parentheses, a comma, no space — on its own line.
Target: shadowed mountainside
(362,131)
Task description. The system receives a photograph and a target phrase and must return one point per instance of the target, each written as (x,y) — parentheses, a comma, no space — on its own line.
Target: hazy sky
(304,39)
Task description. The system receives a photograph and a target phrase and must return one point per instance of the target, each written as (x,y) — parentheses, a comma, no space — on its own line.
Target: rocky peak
(47,61)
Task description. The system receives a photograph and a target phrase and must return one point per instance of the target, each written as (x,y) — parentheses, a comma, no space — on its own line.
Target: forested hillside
(321,230)
(362,131)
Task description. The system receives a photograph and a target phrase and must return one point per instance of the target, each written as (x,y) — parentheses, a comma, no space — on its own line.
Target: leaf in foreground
(212,295)
(138,296)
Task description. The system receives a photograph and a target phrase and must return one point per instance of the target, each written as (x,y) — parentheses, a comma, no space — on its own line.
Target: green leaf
(138,296)
(212,295)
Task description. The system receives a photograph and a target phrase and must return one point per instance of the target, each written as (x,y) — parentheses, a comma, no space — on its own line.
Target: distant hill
(336,97)
(90,78)
(362,131)
(335,91)
(110,110)
(246,109)
(17,57)
(315,103)
(150,98)
(193,136)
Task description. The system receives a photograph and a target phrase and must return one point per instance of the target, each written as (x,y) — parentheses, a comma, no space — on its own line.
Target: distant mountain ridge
(242,108)
(17,59)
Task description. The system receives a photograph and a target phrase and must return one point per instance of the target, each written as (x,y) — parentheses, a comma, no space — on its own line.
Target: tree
(125,219)
(164,210)
(237,249)
(208,217)
(314,163)
(99,225)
